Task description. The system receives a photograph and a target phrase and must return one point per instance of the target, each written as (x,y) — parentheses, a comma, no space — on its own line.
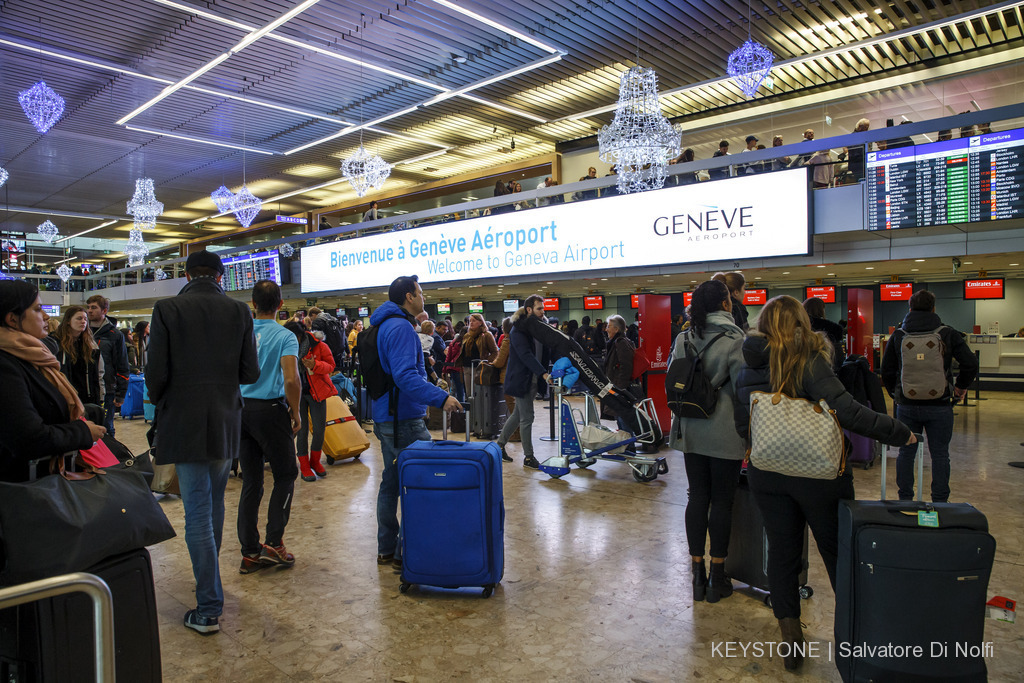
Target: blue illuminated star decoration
(4,175)
(42,106)
(749,64)
(223,198)
(246,206)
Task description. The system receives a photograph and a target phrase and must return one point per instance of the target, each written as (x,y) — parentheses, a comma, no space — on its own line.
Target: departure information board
(242,272)
(972,179)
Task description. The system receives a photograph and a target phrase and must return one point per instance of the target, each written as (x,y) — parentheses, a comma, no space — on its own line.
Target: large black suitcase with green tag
(912,575)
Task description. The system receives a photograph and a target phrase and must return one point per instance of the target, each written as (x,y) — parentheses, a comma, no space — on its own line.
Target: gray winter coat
(715,437)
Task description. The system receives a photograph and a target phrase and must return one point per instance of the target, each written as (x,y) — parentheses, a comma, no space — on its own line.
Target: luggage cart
(572,450)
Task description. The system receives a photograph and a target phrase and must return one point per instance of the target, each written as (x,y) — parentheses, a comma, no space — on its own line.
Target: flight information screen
(242,272)
(972,179)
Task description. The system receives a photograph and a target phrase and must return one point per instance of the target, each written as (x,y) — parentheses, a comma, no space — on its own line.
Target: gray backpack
(923,377)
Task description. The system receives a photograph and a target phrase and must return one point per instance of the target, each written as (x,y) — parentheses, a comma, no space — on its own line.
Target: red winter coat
(320,385)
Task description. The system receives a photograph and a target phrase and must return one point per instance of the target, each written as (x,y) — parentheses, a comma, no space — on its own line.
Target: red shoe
(304,470)
(279,555)
(314,464)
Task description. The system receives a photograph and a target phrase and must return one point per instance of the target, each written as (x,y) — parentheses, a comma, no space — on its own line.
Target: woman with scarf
(41,408)
(477,345)
(79,355)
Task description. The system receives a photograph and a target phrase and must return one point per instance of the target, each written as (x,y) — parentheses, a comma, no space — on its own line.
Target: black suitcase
(51,640)
(488,410)
(747,561)
(907,580)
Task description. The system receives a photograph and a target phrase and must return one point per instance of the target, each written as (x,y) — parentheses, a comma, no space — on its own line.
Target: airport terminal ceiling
(437,87)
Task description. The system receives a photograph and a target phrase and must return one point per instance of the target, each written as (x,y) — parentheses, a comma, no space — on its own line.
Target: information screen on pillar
(988,288)
(242,272)
(476,306)
(592,303)
(826,293)
(755,297)
(444,308)
(687,298)
(364,311)
(973,179)
(510,305)
(551,304)
(52,311)
(634,301)
(895,291)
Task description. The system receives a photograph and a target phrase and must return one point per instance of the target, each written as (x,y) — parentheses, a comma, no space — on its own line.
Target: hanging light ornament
(4,175)
(42,106)
(160,274)
(364,170)
(286,250)
(144,207)
(750,63)
(223,198)
(64,273)
(246,206)
(48,231)
(136,249)
(640,141)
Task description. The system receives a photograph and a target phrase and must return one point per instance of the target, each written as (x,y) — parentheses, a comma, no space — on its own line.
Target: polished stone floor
(596,584)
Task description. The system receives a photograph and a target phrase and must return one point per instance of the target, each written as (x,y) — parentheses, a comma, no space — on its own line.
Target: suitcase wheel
(768,599)
(645,473)
(404,587)
(488,589)
(806,592)
(330,460)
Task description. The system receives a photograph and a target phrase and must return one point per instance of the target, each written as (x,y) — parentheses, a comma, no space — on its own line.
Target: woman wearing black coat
(786,355)
(40,408)
(79,355)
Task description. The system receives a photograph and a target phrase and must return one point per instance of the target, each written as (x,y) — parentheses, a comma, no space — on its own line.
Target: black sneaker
(505,457)
(201,624)
(530,462)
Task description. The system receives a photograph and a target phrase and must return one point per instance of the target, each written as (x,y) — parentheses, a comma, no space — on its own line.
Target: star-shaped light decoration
(136,249)
(48,231)
(4,175)
(223,198)
(64,273)
(749,64)
(246,207)
(365,170)
(286,250)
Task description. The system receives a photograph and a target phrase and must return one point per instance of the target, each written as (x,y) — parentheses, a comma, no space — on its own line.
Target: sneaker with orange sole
(276,556)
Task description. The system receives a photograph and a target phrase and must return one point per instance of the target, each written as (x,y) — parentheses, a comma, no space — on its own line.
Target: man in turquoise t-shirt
(270,419)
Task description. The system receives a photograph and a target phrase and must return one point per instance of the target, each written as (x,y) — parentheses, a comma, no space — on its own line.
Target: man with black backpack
(917,373)
(590,339)
(391,359)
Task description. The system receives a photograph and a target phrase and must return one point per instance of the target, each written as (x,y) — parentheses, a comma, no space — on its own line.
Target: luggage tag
(929,518)
(1002,609)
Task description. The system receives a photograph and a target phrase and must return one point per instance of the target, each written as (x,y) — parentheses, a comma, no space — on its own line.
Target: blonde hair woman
(785,354)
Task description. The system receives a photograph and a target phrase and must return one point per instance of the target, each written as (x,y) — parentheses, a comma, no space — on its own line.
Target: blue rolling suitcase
(453,515)
(132,406)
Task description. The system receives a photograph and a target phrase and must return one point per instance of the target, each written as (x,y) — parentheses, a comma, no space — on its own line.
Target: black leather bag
(69,521)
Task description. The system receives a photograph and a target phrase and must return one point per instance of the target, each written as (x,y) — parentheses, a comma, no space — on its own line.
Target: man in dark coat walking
(201,348)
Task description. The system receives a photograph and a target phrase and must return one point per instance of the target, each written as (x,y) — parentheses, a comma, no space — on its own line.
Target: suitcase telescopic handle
(919,466)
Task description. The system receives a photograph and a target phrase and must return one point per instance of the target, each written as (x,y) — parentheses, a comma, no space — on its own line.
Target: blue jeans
(388,528)
(936,423)
(202,492)
(458,389)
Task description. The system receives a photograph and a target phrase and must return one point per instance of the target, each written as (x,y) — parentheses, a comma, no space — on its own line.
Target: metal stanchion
(551,407)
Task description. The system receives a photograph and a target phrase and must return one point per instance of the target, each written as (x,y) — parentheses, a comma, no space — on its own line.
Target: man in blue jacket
(520,380)
(401,358)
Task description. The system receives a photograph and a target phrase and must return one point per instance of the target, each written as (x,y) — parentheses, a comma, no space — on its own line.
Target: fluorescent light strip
(192,139)
(84,232)
(70,214)
(502,107)
(156,79)
(868,42)
(385,131)
(434,100)
(241,45)
(493,24)
(353,129)
(198,11)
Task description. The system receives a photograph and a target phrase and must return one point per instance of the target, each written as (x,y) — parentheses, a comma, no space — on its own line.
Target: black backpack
(334,337)
(589,345)
(376,381)
(688,389)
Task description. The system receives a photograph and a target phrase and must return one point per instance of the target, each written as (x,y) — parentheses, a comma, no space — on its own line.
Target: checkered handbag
(795,436)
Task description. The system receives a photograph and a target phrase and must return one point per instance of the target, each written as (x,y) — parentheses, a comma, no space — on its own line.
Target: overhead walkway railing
(1000,118)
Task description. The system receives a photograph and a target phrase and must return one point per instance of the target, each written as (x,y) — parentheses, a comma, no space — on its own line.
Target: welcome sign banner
(755,216)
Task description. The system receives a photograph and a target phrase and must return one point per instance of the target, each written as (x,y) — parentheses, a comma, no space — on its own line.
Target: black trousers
(713,484)
(266,435)
(787,503)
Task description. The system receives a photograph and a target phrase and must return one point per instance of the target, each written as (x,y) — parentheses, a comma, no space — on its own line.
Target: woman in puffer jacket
(786,355)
